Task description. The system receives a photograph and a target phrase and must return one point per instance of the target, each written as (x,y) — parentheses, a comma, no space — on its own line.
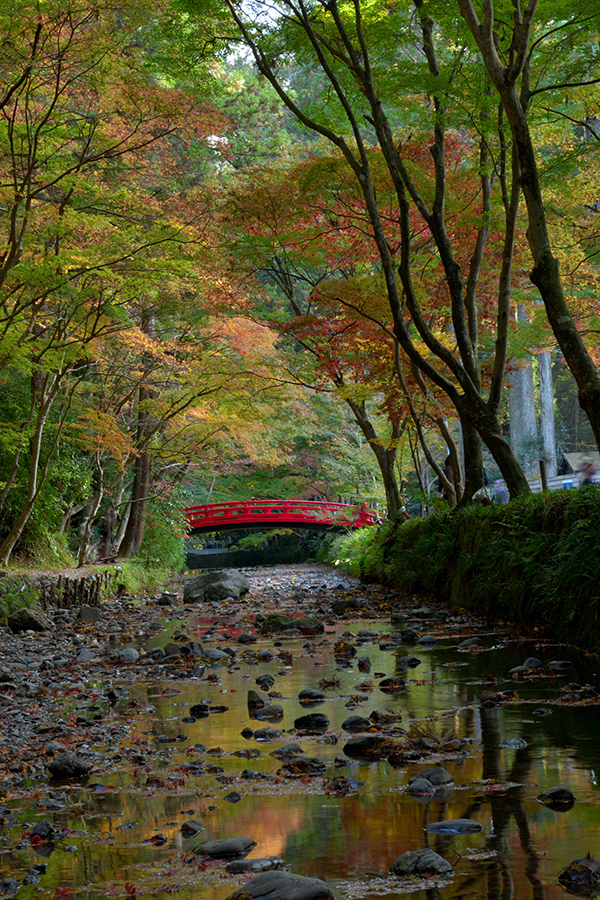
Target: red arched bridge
(258,514)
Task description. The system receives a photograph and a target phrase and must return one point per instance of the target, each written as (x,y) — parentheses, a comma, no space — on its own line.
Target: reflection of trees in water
(504,807)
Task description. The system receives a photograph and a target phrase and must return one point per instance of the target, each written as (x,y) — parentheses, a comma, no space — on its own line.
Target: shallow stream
(121,827)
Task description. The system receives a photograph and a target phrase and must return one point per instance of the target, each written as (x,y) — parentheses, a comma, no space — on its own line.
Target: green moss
(535,561)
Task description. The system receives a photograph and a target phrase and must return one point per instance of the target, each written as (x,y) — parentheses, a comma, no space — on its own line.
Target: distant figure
(586,470)
(447,469)
(501,492)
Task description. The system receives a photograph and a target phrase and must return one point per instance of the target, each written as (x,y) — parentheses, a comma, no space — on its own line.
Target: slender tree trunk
(473,450)
(94,506)
(385,455)
(547,412)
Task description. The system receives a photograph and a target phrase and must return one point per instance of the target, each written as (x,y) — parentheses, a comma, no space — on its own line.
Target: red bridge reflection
(312,514)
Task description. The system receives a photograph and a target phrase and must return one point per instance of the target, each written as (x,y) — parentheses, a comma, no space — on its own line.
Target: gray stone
(191,828)
(421,862)
(366,746)
(128,654)
(87,655)
(559,797)
(29,618)
(312,722)
(269,713)
(258,699)
(89,614)
(356,723)
(229,848)
(279,885)
(216,586)
(436,775)
(68,765)
(268,734)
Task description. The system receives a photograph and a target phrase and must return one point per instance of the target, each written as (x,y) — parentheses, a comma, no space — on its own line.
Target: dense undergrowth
(535,561)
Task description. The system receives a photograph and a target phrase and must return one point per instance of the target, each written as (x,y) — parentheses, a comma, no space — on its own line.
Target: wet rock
(384,717)
(247,733)
(246,638)
(129,654)
(89,614)
(559,797)
(420,788)
(43,830)
(312,722)
(347,604)
(258,699)
(423,612)
(428,640)
(425,863)
(364,664)
(356,723)
(408,662)
(266,655)
(436,775)
(533,663)
(265,681)
(216,586)
(254,866)
(392,685)
(173,649)
(29,618)
(288,751)
(268,734)
(233,797)
(302,766)
(560,665)
(191,828)
(229,848)
(283,886)
(311,695)
(455,826)
(409,636)
(470,642)
(272,713)
(68,765)
(367,746)
(217,656)
(581,876)
(306,625)
(200,710)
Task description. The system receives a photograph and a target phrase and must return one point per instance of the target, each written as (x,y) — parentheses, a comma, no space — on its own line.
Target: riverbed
(122,830)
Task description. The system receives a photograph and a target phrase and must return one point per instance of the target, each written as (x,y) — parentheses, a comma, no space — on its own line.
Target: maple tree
(424,54)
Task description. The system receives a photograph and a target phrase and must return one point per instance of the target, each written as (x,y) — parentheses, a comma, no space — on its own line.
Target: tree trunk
(384,454)
(547,412)
(473,450)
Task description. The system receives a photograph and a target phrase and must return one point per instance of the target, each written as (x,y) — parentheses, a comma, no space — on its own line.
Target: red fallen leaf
(62,891)
(36,839)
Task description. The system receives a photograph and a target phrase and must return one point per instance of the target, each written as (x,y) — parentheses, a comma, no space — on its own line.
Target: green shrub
(535,561)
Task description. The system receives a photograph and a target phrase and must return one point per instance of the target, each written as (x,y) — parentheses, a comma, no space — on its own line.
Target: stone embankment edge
(61,589)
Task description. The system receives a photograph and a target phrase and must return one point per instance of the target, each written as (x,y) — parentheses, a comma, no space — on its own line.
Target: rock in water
(455,826)
(229,848)
(283,886)
(216,586)
(68,765)
(425,863)
(559,798)
(312,722)
(28,618)
(581,876)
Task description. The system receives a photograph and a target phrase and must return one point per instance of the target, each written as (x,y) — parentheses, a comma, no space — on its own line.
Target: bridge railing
(284,511)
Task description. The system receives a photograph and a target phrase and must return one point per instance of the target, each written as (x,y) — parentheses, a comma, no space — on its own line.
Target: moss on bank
(535,561)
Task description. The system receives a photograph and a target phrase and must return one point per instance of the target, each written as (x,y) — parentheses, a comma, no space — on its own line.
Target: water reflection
(156,771)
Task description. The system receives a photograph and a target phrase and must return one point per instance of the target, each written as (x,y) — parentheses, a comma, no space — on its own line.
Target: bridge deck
(284,513)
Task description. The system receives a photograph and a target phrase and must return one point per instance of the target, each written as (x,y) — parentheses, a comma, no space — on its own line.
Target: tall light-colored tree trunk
(547,412)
